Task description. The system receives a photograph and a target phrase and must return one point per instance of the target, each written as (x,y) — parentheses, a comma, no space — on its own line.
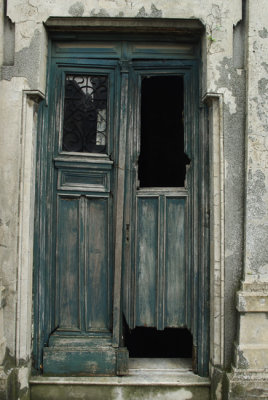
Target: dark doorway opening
(151,343)
(162,161)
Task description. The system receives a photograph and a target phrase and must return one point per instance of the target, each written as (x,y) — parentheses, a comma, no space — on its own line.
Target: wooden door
(159,200)
(109,245)
(77,208)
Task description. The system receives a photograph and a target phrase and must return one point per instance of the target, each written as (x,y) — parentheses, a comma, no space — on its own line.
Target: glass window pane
(85,114)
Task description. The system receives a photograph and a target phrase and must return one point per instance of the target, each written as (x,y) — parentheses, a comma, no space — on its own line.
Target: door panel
(97,279)
(146,261)
(83,267)
(68,240)
(160,283)
(175,262)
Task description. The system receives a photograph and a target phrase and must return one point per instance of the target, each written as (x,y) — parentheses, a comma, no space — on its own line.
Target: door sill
(175,372)
(154,366)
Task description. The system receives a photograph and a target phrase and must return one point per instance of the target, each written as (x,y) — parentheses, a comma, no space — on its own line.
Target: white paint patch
(228,252)
(263,270)
(179,394)
(23,377)
(117,393)
(228,99)
(218,393)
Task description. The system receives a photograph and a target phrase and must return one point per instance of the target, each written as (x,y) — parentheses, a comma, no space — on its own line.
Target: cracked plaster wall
(256,254)
(252,343)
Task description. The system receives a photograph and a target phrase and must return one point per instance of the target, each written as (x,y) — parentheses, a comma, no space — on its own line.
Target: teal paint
(175,263)
(146,262)
(163,284)
(90,361)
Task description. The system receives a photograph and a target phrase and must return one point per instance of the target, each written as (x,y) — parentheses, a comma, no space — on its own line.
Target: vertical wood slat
(97,290)
(146,261)
(119,209)
(67,262)
(160,294)
(175,277)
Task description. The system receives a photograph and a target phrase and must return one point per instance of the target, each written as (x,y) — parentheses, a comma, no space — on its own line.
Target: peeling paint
(262,87)
(218,392)
(265,66)
(23,375)
(256,189)
(228,99)
(77,9)
(155,13)
(257,251)
(22,67)
(142,13)
(101,13)
(242,360)
(263,33)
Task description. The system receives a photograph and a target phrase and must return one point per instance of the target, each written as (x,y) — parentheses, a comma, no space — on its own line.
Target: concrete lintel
(193,26)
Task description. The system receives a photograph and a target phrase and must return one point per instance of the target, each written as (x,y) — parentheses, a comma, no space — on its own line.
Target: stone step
(148,379)
(180,386)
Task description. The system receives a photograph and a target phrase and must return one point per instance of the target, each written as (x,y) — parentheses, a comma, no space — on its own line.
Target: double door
(118,204)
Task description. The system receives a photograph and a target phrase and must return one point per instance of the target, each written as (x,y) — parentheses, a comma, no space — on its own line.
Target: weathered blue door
(118,203)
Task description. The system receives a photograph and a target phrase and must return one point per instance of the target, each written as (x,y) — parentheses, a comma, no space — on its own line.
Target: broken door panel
(160,267)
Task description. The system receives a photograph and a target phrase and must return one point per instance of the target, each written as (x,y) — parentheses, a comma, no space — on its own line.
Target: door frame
(201,252)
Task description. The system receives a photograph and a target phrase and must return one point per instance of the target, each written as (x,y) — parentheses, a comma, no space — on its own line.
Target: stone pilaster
(249,378)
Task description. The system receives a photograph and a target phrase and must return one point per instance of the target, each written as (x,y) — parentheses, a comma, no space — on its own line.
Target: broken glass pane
(162,161)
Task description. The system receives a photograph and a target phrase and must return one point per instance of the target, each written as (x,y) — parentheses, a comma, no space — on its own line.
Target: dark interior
(151,343)
(162,161)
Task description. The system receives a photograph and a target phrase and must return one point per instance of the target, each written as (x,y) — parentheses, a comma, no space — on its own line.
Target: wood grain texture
(160,291)
(68,263)
(175,271)
(97,285)
(146,261)
(89,361)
